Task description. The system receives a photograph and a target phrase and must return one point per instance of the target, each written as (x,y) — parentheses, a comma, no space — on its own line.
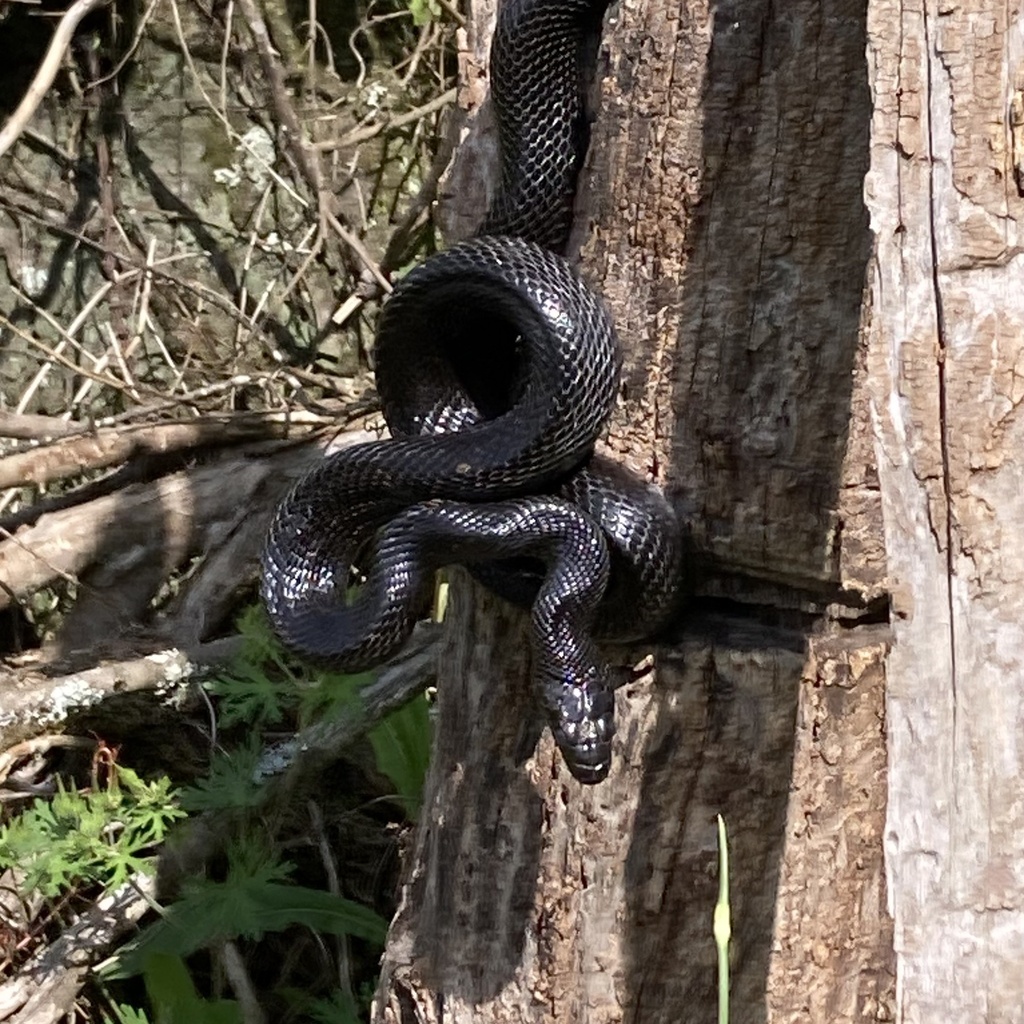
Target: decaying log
(723,222)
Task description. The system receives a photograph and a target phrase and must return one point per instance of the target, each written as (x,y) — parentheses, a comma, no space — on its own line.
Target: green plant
(260,685)
(424,11)
(722,926)
(254,898)
(232,782)
(124,1014)
(264,684)
(174,998)
(401,745)
(103,836)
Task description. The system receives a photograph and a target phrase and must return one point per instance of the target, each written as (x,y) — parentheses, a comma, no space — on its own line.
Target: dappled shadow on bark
(482,828)
(763,370)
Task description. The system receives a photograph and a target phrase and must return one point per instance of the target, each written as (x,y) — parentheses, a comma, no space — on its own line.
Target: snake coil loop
(497,370)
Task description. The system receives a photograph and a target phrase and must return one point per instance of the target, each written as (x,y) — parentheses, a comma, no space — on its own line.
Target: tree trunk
(822,398)
(944,350)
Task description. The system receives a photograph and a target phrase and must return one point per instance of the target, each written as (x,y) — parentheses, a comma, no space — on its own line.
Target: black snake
(497,370)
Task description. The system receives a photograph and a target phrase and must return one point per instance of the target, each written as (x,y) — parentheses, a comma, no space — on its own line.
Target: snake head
(583,723)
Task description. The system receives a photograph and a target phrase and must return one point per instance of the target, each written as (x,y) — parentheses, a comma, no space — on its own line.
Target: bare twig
(362,252)
(359,135)
(47,71)
(241,984)
(282,103)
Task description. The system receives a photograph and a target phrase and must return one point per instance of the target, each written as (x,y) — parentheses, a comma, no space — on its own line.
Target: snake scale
(497,371)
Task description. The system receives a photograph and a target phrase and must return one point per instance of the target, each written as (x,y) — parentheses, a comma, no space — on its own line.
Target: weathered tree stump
(805,223)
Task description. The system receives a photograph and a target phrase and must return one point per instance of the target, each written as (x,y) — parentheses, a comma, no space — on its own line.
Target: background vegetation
(197,226)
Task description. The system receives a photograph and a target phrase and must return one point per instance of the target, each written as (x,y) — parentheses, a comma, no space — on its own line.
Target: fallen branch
(46,989)
(35,702)
(112,446)
(30,427)
(162,522)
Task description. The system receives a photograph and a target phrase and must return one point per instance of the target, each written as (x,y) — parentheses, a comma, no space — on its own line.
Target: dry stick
(424,197)
(358,135)
(342,951)
(67,335)
(254,234)
(130,52)
(46,989)
(47,71)
(241,984)
(220,115)
(311,27)
(30,427)
(301,150)
(428,37)
(314,251)
(106,448)
(56,355)
(361,251)
(197,288)
(225,50)
(283,107)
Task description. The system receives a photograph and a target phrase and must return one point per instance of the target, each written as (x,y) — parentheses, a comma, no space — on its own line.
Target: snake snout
(584,725)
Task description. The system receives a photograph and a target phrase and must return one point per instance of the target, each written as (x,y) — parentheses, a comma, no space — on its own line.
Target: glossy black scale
(493,470)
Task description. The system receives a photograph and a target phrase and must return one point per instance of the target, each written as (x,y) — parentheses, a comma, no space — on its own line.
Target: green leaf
(424,11)
(231,783)
(124,1014)
(174,997)
(259,686)
(335,693)
(216,911)
(402,745)
(104,836)
(248,695)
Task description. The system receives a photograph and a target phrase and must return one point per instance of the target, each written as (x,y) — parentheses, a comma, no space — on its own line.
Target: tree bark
(945,342)
(831,403)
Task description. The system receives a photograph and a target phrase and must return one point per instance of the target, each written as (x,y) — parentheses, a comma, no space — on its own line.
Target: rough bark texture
(946,341)
(722,218)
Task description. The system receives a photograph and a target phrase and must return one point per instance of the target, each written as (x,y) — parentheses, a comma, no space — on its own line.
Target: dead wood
(106,447)
(723,223)
(45,990)
(35,700)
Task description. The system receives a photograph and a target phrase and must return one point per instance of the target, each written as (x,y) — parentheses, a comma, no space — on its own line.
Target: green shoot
(722,924)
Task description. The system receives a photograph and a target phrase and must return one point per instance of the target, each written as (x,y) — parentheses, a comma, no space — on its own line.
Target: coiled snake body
(497,370)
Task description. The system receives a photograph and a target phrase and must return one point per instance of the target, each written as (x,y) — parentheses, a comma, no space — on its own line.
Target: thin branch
(47,71)
(278,89)
(105,448)
(358,135)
